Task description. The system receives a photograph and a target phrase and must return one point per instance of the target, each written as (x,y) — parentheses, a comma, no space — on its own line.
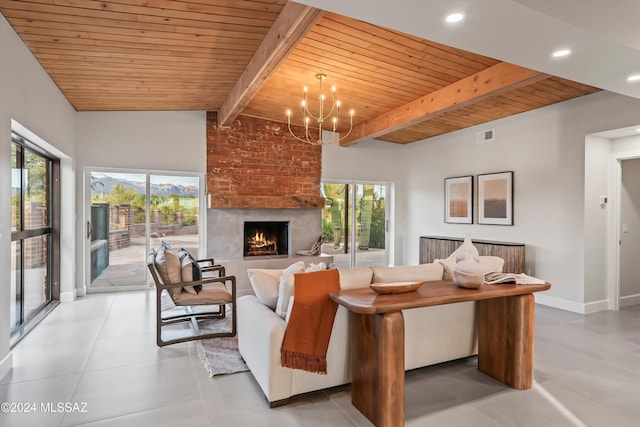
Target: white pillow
(291,302)
(265,284)
(315,267)
(466,246)
(491,263)
(286,288)
(358,277)
(449,264)
(408,273)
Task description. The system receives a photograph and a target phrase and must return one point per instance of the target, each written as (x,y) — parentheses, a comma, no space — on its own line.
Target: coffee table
(505,316)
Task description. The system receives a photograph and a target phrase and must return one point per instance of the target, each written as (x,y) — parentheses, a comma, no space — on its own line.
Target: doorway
(355,223)
(629,286)
(130,212)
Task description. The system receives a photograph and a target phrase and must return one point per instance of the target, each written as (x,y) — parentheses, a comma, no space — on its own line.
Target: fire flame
(260,241)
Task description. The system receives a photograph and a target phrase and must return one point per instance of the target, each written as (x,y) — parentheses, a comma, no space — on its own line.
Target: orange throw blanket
(306,339)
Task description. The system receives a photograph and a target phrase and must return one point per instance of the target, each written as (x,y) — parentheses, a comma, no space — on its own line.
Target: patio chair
(190,300)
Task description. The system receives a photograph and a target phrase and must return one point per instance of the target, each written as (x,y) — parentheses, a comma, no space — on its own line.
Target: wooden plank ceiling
(253,57)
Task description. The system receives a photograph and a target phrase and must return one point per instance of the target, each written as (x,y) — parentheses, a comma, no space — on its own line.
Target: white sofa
(432,334)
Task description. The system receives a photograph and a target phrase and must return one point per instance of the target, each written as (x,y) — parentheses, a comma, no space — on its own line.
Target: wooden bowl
(395,287)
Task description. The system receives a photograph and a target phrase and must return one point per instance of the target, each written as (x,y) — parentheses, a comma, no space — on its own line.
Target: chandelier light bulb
(317,118)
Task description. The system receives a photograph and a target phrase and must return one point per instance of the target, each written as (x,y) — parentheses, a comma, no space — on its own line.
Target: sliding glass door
(354,223)
(32,232)
(117,230)
(131,212)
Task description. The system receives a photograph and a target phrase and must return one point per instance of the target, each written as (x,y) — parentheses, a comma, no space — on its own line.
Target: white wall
(28,96)
(596,217)
(159,140)
(143,140)
(546,150)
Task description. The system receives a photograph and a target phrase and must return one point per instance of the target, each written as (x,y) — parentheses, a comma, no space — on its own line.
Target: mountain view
(104,185)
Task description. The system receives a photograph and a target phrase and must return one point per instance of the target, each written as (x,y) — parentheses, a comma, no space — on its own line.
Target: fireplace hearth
(266,238)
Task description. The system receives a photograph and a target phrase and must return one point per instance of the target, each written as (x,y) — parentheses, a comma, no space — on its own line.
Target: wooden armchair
(194,300)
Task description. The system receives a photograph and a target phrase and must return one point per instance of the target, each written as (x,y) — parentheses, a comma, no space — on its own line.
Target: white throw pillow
(286,288)
(466,246)
(315,267)
(359,277)
(291,302)
(409,273)
(491,263)
(448,264)
(265,284)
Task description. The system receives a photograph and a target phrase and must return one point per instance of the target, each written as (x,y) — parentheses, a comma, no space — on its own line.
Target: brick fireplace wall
(256,164)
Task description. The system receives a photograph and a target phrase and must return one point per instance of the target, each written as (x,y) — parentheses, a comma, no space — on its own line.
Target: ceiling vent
(485,136)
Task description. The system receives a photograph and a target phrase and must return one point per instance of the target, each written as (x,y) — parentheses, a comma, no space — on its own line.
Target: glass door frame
(202,224)
(388,212)
(52,230)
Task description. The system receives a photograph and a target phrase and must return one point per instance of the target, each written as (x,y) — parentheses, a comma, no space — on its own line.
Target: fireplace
(266,238)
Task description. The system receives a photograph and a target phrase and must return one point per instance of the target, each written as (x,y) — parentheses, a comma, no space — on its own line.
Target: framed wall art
(458,200)
(495,198)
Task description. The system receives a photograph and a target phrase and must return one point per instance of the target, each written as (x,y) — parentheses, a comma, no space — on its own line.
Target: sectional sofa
(432,334)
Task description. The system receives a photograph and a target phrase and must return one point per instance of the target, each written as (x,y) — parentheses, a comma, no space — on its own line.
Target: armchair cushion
(211,294)
(168,266)
(190,271)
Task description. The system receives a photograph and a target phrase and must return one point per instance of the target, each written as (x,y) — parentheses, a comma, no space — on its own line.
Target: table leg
(377,361)
(505,339)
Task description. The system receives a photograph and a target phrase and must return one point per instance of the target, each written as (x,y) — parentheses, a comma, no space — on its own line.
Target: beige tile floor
(100,350)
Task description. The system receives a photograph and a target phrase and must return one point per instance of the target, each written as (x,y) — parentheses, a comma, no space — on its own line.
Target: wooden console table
(505,339)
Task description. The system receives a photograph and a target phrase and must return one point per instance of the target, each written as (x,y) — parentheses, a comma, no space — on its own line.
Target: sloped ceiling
(254,57)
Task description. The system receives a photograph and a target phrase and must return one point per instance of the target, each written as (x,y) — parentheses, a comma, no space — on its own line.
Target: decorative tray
(395,287)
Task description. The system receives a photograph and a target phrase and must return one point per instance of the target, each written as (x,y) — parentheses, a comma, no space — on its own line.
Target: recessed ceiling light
(560,53)
(638,130)
(633,78)
(454,17)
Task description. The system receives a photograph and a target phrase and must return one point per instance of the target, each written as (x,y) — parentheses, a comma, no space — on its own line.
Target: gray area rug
(220,355)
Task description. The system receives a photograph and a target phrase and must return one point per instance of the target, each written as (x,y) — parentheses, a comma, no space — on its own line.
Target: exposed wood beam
(293,23)
(492,81)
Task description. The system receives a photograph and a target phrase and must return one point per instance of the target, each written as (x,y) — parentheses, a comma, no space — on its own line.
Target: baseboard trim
(68,296)
(81,292)
(576,307)
(629,300)
(596,306)
(6,365)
